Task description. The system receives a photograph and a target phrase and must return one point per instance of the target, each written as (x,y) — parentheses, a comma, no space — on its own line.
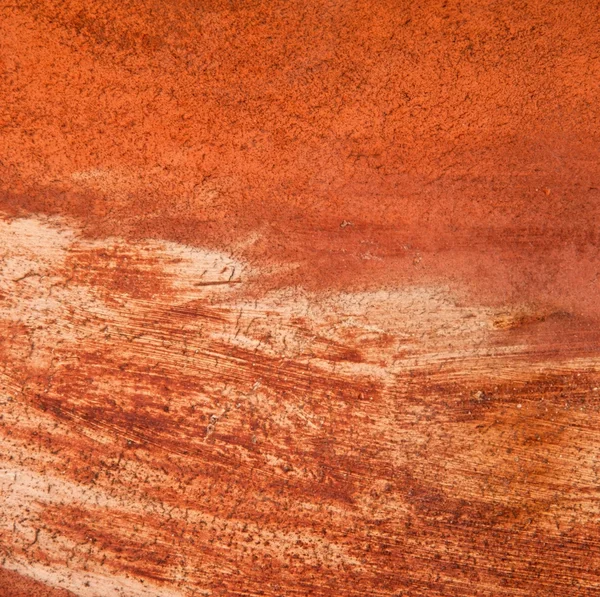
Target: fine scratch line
(218,283)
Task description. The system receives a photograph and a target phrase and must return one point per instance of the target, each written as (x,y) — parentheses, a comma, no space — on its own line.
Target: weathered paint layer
(299,298)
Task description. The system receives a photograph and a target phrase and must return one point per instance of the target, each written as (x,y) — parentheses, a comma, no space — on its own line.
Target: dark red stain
(15,585)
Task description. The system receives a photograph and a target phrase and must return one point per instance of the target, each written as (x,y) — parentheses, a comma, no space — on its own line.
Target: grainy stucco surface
(299,298)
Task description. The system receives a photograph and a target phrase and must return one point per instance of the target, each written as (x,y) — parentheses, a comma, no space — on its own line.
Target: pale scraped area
(138,378)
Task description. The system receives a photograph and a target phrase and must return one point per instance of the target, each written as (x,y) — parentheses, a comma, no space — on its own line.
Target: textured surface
(300,298)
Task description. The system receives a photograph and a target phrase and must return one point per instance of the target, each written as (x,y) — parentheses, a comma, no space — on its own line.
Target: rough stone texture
(300,298)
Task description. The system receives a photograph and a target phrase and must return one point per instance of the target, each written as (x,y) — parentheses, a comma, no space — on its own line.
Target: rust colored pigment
(300,298)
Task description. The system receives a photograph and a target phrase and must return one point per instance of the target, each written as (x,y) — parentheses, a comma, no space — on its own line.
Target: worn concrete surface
(299,298)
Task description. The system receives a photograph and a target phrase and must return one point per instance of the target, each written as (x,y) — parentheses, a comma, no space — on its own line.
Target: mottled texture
(300,298)
(14,585)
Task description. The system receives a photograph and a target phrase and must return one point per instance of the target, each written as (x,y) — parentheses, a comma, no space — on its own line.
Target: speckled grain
(299,298)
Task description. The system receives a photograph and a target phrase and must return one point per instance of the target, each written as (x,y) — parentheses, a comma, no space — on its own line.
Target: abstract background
(299,298)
